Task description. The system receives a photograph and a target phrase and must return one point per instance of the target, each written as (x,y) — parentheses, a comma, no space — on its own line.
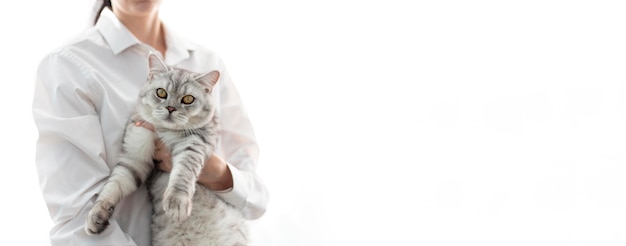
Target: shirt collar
(178,49)
(120,38)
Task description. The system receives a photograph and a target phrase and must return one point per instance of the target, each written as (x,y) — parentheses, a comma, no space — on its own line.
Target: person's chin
(145,7)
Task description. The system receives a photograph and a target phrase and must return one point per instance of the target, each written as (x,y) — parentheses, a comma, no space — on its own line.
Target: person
(85,91)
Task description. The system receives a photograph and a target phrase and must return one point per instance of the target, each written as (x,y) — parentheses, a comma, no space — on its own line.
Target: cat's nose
(171,109)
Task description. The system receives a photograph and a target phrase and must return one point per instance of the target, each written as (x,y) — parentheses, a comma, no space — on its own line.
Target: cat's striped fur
(189,128)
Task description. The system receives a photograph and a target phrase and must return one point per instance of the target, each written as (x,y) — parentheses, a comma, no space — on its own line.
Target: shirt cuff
(238,194)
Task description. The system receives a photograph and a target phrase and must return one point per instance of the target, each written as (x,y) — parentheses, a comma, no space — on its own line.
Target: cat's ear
(208,80)
(155,64)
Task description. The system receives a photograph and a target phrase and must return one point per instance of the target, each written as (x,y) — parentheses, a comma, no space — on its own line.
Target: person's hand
(162,157)
(215,173)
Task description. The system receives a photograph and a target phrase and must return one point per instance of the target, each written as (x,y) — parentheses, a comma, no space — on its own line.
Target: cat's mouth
(176,119)
(170,119)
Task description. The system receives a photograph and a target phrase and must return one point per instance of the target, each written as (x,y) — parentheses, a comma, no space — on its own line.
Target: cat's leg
(188,159)
(132,169)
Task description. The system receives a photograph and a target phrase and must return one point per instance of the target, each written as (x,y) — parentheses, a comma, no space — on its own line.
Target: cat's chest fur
(176,139)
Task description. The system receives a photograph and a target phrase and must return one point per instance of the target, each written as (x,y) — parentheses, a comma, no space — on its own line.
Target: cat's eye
(188,99)
(161,93)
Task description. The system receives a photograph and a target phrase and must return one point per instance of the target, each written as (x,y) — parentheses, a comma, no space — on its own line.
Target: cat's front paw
(98,218)
(177,205)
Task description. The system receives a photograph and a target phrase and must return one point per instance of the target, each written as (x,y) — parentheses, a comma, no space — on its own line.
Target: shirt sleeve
(239,145)
(70,151)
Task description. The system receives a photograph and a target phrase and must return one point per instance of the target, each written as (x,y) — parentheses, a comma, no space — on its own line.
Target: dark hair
(105,4)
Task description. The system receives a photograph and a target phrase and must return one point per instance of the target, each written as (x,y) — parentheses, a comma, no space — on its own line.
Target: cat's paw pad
(98,218)
(177,205)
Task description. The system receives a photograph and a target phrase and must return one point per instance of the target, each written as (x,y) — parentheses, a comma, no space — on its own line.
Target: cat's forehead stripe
(181,81)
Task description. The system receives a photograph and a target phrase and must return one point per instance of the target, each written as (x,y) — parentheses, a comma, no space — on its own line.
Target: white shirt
(85,92)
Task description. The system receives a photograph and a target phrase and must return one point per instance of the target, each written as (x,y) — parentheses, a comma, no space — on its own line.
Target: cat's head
(176,98)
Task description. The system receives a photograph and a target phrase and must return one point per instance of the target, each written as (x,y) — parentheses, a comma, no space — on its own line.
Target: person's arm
(241,152)
(216,174)
(70,151)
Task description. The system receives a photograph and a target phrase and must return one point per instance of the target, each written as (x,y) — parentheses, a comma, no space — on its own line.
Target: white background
(387,122)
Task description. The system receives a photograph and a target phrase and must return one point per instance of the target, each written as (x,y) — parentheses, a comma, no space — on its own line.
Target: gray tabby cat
(181,107)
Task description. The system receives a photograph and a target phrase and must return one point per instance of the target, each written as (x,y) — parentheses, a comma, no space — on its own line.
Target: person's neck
(148,30)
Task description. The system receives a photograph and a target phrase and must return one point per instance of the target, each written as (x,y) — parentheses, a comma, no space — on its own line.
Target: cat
(180,105)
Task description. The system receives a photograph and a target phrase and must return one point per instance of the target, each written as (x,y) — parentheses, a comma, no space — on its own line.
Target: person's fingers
(144,124)
(163,164)
(162,156)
